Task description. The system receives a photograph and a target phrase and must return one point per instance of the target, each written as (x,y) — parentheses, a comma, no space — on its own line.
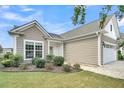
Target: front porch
(56,48)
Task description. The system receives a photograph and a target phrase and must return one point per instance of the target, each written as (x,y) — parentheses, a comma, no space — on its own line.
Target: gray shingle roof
(56,36)
(85,29)
(82,30)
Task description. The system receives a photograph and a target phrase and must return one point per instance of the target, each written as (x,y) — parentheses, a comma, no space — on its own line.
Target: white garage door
(109,53)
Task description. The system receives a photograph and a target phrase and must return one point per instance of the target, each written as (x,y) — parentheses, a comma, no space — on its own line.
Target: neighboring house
(6,50)
(122,39)
(87,44)
(1,49)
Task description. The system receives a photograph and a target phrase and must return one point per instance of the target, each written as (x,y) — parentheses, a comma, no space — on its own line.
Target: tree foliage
(80,13)
(120,43)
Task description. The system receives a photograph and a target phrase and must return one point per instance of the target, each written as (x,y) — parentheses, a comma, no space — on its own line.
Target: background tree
(1,49)
(80,13)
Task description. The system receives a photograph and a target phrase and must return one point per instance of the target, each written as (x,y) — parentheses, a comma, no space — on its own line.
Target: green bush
(33,60)
(76,66)
(58,60)
(120,56)
(8,55)
(66,67)
(17,59)
(1,58)
(23,66)
(6,62)
(40,63)
(49,66)
(49,58)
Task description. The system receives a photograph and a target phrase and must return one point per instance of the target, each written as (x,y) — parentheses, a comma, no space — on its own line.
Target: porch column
(48,47)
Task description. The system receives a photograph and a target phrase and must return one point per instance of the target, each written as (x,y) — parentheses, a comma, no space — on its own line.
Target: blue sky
(55,19)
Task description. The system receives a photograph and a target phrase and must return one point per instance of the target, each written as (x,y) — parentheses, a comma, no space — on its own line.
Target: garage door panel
(83,51)
(109,54)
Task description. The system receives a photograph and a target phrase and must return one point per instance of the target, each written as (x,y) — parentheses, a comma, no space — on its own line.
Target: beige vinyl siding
(32,33)
(82,51)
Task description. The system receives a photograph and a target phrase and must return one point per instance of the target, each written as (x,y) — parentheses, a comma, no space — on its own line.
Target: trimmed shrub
(23,66)
(66,67)
(49,66)
(34,60)
(1,58)
(120,56)
(8,55)
(17,59)
(49,58)
(58,60)
(76,66)
(40,63)
(6,62)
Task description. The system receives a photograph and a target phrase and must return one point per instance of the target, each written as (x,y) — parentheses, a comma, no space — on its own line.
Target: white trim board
(14,43)
(34,41)
(109,43)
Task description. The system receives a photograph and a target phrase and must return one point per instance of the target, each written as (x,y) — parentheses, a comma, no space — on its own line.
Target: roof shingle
(85,29)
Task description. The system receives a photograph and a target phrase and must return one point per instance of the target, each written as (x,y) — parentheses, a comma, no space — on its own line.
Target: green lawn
(47,79)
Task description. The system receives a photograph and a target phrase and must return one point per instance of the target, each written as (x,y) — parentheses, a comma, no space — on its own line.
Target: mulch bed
(32,68)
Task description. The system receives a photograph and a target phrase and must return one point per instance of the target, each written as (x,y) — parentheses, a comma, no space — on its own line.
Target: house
(122,40)
(87,44)
(5,51)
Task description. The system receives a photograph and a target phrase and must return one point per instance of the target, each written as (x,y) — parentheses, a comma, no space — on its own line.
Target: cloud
(17,17)
(57,28)
(26,8)
(11,16)
(4,7)
(3,25)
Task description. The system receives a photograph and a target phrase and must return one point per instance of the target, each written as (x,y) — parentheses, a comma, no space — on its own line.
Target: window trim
(108,43)
(34,41)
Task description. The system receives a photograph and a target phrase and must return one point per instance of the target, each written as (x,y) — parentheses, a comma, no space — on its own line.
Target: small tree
(80,13)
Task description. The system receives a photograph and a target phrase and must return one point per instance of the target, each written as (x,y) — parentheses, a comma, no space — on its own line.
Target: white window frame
(34,41)
(110,44)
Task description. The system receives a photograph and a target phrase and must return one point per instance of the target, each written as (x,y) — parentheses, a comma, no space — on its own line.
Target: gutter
(92,33)
(15,33)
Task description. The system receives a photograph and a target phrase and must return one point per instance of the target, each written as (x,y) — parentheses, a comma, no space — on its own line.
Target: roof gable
(115,33)
(19,29)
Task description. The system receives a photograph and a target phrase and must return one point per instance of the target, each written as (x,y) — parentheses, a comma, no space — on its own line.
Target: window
(33,49)
(110,27)
(29,47)
(109,46)
(38,50)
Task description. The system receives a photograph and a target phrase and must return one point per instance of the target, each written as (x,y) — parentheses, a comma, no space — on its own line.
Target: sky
(55,19)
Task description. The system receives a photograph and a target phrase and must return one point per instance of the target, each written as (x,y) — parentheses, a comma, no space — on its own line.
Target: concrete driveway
(114,69)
